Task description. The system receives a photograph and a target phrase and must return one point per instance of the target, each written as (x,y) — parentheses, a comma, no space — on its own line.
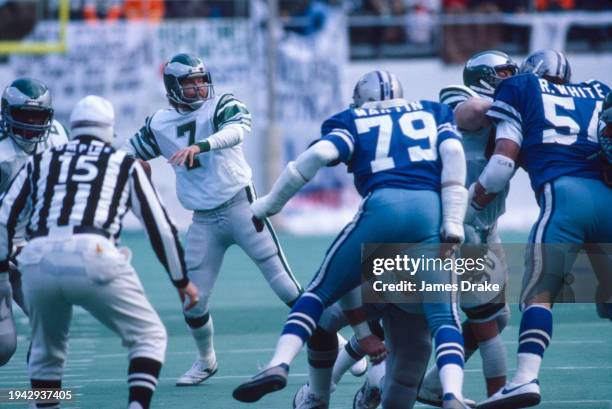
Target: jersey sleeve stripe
(453,100)
(344,132)
(500,114)
(141,150)
(348,141)
(502,106)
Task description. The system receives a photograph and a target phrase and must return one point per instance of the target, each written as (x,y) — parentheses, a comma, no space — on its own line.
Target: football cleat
(450,401)
(430,393)
(198,373)
(269,380)
(367,397)
(513,396)
(304,399)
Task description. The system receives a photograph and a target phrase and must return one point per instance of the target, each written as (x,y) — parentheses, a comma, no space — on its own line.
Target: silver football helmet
(376,86)
(27,114)
(548,64)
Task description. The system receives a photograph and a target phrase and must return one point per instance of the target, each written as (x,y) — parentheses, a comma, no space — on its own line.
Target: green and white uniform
(218,189)
(12,159)
(475,144)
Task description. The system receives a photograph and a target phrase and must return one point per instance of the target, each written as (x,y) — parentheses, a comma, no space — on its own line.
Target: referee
(72,200)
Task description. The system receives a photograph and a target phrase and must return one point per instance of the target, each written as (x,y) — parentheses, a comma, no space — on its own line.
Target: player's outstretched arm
(295,175)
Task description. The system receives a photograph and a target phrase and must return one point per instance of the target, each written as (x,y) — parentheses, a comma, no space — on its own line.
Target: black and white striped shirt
(87,184)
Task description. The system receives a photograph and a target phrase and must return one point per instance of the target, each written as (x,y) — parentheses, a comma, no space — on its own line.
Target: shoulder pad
(7,150)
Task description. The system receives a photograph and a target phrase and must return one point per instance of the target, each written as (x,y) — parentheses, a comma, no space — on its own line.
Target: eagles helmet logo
(188,82)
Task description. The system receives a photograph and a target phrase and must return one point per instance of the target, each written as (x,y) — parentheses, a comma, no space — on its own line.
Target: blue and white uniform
(556,129)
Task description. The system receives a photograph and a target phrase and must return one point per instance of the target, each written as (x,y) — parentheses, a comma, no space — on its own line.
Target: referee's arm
(12,204)
(147,206)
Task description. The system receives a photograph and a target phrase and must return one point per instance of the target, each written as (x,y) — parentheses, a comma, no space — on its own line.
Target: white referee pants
(86,270)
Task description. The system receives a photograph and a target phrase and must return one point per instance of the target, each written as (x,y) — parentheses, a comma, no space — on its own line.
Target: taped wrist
(497,173)
(454,204)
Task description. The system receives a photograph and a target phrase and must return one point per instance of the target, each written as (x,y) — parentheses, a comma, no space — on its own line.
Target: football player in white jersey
(201,135)
(26,127)
(487,318)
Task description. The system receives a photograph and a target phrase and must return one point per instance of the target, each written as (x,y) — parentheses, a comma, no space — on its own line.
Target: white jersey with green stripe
(217,175)
(475,148)
(12,157)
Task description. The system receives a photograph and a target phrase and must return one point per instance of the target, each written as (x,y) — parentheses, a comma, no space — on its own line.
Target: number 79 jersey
(217,175)
(394,146)
(557,123)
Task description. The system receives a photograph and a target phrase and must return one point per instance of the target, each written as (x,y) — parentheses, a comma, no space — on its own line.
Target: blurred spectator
(151,10)
(303,16)
(110,10)
(420,20)
(554,5)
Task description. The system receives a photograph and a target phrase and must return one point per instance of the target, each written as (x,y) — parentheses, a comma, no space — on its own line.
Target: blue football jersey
(392,147)
(558,125)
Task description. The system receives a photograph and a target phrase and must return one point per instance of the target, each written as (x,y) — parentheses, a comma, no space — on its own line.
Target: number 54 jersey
(217,175)
(392,145)
(555,126)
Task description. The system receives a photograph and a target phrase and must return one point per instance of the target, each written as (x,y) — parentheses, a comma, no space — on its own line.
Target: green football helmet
(26,112)
(482,71)
(190,96)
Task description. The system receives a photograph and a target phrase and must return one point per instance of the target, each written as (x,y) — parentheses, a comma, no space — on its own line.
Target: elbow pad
(497,173)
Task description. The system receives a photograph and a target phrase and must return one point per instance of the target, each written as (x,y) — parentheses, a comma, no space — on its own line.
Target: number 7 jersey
(557,126)
(395,146)
(217,175)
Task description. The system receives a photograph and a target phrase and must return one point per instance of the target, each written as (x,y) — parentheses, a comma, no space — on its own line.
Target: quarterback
(201,135)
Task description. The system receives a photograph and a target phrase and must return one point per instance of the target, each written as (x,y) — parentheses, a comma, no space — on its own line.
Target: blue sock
(304,316)
(449,346)
(535,331)
(449,359)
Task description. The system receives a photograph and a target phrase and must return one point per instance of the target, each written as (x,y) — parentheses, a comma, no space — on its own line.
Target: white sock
(493,355)
(287,348)
(451,377)
(319,381)
(135,405)
(376,374)
(343,363)
(203,337)
(527,368)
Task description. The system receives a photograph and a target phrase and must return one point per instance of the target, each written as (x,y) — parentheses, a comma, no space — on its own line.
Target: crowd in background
(377,28)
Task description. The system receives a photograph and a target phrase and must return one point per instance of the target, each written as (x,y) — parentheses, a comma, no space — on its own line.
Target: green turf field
(577,370)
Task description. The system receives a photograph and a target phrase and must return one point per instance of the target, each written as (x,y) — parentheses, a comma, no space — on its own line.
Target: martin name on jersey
(12,157)
(392,147)
(217,175)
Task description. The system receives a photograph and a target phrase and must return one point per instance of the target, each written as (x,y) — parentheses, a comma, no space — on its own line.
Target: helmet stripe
(382,85)
(390,84)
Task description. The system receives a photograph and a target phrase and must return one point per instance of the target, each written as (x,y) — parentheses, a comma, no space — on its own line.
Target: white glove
(454,201)
(473,209)
(262,207)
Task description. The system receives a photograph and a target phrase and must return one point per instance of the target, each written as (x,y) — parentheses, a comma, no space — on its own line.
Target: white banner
(123,62)
(309,91)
